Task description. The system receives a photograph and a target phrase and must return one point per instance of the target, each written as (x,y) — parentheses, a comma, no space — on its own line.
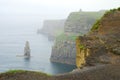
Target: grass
(90,17)
(58,32)
(112,10)
(24,71)
(79,15)
(119,9)
(62,36)
(96,25)
(15,71)
(82,46)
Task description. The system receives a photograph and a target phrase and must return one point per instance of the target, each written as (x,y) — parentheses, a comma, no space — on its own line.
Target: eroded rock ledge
(102,42)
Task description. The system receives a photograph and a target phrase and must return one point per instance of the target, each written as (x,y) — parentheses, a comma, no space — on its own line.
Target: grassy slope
(24,75)
(63,36)
(79,15)
(97,23)
(108,72)
(75,18)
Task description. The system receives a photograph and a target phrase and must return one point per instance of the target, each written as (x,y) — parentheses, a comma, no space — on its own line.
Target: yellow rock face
(81,54)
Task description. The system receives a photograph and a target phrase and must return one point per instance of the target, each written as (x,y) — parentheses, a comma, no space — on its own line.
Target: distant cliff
(52,28)
(102,44)
(81,22)
(77,23)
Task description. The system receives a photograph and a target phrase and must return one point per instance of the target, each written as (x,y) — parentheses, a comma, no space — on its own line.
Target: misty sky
(36,7)
(32,13)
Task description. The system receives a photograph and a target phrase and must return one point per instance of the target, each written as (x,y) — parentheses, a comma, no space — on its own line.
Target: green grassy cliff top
(80,15)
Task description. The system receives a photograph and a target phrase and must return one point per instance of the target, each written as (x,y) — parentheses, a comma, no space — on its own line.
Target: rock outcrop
(82,53)
(78,23)
(103,42)
(27,50)
(52,28)
(63,52)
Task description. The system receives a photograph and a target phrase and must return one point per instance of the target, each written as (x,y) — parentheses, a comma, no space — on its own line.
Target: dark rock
(27,49)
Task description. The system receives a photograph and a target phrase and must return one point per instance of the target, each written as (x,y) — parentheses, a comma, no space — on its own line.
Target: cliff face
(78,23)
(52,28)
(82,53)
(63,49)
(81,22)
(63,52)
(103,42)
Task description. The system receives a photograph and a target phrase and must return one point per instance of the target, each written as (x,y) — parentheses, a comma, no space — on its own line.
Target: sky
(32,13)
(38,7)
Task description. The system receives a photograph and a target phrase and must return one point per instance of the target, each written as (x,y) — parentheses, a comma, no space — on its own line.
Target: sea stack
(27,49)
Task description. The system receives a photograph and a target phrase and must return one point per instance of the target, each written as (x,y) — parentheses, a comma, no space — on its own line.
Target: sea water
(13,35)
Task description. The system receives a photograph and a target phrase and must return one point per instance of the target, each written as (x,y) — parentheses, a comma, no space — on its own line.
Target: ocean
(14,32)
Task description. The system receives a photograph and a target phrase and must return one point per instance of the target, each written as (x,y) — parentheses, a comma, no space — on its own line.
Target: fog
(31,13)
(19,22)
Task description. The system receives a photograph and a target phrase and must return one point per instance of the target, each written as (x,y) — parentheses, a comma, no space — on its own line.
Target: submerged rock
(27,49)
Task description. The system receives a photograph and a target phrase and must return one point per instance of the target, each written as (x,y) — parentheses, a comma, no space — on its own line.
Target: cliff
(102,44)
(81,22)
(108,72)
(63,49)
(77,23)
(52,28)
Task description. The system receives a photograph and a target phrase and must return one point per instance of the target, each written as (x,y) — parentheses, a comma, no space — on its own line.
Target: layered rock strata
(77,23)
(103,41)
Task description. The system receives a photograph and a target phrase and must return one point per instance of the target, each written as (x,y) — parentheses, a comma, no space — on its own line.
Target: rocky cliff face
(78,23)
(103,42)
(63,52)
(52,28)
(81,22)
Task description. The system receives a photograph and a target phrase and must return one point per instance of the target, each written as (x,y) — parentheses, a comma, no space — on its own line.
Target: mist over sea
(14,32)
